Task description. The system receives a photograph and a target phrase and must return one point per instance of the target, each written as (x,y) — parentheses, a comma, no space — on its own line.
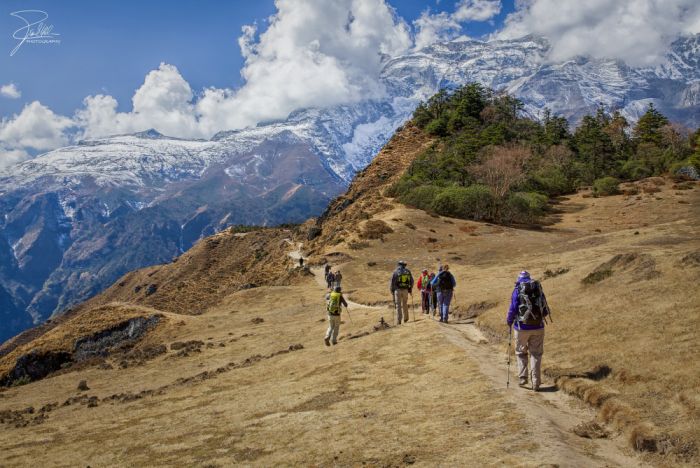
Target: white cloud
(10,91)
(163,102)
(477,10)
(636,31)
(35,127)
(314,53)
(440,27)
(9,157)
(435,28)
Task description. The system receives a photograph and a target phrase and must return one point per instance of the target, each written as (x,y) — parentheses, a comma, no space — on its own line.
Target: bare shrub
(502,168)
(375,229)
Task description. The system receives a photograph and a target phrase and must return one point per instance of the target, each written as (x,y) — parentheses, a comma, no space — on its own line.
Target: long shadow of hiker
(549,389)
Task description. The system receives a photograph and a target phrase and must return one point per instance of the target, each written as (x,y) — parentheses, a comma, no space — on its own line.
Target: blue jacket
(435,283)
(513,311)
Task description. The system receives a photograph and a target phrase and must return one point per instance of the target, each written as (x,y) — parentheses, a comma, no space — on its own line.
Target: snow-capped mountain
(73,220)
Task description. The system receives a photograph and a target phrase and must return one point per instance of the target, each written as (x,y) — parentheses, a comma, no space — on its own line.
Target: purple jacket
(513,311)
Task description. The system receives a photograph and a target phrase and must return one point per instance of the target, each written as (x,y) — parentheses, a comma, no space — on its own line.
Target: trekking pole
(348,311)
(393,297)
(510,339)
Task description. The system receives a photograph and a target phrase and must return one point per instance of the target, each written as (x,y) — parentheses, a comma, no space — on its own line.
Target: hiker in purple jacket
(527,312)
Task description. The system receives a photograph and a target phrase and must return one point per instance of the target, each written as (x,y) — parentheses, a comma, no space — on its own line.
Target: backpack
(334,303)
(425,282)
(531,303)
(444,281)
(404,279)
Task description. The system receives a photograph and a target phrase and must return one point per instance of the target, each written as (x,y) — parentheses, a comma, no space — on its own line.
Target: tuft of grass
(375,229)
(597,276)
(24,380)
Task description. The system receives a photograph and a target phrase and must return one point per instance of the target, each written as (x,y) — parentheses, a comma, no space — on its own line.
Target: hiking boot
(522,382)
(335,343)
(327,341)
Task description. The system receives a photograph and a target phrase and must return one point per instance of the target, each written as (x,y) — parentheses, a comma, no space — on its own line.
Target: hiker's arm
(454,281)
(392,284)
(343,301)
(513,310)
(420,281)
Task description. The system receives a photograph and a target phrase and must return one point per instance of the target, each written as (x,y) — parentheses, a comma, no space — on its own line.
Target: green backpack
(334,303)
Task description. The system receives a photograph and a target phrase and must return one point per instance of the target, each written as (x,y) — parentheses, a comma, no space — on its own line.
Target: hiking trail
(551,411)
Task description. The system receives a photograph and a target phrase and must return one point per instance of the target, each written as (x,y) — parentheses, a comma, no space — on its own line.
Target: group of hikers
(526,315)
(333,279)
(436,291)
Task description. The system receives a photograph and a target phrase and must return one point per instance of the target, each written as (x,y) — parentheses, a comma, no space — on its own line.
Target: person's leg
(327,338)
(439,304)
(521,337)
(446,299)
(536,347)
(404,304)
(397,304)
(336,328)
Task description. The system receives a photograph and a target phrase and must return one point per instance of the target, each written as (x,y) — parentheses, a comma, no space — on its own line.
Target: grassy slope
(395,396)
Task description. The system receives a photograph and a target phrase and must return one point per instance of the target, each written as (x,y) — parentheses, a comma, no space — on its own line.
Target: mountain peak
(150,133)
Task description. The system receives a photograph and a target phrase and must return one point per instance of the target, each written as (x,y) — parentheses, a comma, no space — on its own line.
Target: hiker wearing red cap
(423,286)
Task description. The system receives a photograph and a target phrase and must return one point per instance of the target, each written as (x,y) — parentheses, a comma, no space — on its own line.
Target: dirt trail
(551,414)
(318,274)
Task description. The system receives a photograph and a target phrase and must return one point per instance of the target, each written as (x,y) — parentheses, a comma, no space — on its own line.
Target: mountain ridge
(160,194)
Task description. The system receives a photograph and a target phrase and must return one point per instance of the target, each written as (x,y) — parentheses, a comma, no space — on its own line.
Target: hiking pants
(401,300)
(333,328)
(425,300)
(433,301)
(532,342)
(444,298)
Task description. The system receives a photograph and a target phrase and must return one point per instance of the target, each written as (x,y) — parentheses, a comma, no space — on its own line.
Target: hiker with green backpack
(527,315)
(335,302)
(401,287)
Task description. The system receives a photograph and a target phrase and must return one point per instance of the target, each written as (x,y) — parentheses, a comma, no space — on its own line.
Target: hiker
(338,278)
(423,284)
(444,283)
(527,312)
(335,301)
(330,280)
(432,294)
(401,286)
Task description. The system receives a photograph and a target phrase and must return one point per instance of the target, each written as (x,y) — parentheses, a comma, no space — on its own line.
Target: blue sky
(107,47)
